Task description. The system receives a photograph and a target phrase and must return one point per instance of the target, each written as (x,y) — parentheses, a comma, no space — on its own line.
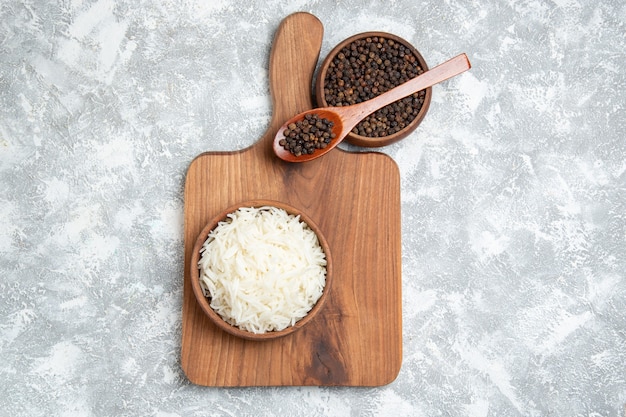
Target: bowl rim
(365,141)
(203,301)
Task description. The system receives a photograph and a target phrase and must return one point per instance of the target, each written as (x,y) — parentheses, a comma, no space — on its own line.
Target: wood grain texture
(356,340)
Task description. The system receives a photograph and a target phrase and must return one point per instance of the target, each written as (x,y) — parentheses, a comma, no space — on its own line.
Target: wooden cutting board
(354,198)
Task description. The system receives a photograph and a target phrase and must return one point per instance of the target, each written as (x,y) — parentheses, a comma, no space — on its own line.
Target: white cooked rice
(262,268)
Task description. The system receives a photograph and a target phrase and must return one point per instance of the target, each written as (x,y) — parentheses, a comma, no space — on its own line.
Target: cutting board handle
(292,63)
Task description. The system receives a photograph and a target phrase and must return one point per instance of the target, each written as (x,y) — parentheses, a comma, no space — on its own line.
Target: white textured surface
(513,203)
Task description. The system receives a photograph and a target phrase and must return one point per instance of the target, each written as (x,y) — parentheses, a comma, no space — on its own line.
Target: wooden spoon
(345,118)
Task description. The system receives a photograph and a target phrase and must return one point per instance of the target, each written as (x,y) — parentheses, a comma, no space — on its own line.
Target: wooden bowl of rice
(261,269)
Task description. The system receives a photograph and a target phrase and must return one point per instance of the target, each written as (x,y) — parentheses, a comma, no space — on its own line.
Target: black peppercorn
(367,68)
(307,135)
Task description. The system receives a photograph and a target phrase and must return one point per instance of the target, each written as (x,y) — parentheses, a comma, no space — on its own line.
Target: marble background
(513,203)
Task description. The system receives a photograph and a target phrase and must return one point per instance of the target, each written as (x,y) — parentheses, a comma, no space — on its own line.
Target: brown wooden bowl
(204,302)
(366,141)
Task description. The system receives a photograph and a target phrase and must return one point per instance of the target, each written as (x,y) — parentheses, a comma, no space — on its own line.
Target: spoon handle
(440,73)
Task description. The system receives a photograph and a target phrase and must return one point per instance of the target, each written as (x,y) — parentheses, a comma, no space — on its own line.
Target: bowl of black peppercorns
(364,66)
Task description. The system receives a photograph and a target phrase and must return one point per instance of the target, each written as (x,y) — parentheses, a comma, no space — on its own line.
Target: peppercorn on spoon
(344,119)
